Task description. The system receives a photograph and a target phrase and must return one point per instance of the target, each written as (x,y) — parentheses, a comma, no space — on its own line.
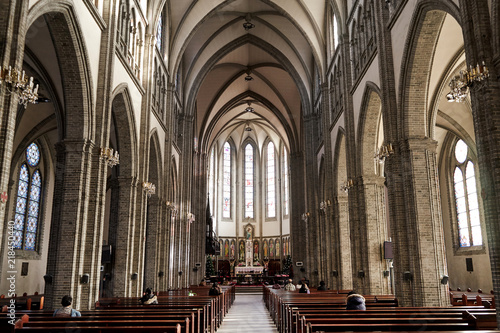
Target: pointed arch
(123,117)
(75,71)
(368,127)
(418,56)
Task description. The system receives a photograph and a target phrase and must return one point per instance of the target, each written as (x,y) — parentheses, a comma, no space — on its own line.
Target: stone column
(71,234)
(12,35)
(122,238)
(298,228)
(419,255)
(481,42)
(376,231)
(343,262)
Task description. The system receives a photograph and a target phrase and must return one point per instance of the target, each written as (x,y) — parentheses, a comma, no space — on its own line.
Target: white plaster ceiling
(214,53)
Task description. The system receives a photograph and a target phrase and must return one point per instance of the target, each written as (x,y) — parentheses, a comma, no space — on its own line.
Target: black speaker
(335,273)
(468,263)
(160,274)
(106,254)
(47,278)
(388,250)
(407,276)
(134,276)
(361,274)
(84,278)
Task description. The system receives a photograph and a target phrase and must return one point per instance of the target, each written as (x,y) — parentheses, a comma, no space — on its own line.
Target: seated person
(149,298)
(203,283)
(290,286)
(355,302)
(322,286)
(215,290)
(304,289)
(66,310)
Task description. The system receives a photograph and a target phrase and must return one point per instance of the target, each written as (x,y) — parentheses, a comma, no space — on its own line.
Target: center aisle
(248,314)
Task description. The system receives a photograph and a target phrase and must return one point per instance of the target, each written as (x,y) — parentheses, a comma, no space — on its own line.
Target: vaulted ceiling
(226,68)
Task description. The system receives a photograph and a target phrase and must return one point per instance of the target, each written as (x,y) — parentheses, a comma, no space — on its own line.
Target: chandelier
(471,79)
(110,157)
(347,185)
(383,152)
(17,82)
(149,188)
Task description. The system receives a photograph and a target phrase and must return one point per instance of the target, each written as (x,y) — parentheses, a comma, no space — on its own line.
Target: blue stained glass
(22,190)
(37,179)
(19,222)
(18,239)
(33,154)
(35,193)
(33,209)
(31,227)
(23,174)
(29,243)
(21,205)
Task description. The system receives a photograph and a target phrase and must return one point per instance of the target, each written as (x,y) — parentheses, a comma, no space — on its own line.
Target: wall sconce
(17,82)
(110,157)
(347,185)
(134,276)
(149,188)
(171,208)
(305,217)
(191,217)
(383,152)
(323,205)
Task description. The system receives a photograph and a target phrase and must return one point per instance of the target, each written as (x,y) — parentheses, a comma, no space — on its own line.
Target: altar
(249,270)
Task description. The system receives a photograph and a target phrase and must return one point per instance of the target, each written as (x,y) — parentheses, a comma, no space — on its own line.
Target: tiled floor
(248,314)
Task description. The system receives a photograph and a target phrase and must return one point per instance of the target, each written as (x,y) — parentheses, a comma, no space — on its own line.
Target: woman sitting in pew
(215,290)
(149,298)
(66,310)
(355,302)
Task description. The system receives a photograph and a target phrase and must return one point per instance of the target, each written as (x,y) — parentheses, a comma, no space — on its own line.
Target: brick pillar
(376,231)
(67,257)
(123,236)
(344,260)
(308,193)
(417,226)
(12,34)
(298,228)
(152,249)
(481,44)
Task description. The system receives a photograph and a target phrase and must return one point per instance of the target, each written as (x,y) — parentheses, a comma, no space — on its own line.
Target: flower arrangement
(241,264)
(256,263)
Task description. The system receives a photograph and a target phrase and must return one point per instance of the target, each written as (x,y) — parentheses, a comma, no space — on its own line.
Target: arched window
(286,193)
(271,181)
(226,186)
(335,33)
(28,201)
(467,206)
(249,183)
(211,181)
(159,33)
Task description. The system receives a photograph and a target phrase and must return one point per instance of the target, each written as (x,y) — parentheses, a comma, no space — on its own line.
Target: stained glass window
(226,186)
(335,32)
(249,183)
(159,32)
(33,155)
(466,199)
(211,180)
(285,177)
(28,201)
(271,191)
